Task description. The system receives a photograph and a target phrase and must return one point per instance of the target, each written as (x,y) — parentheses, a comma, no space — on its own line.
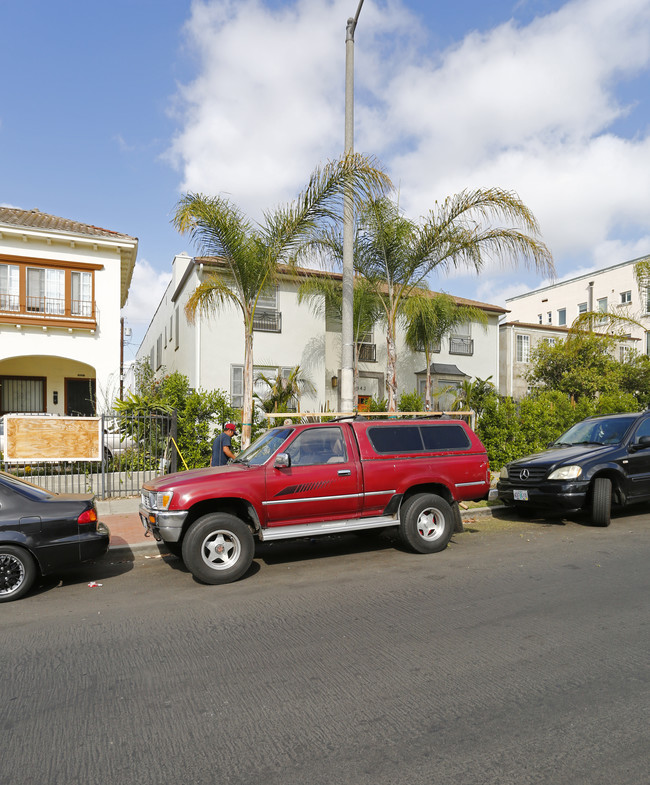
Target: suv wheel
(426,523)
(17,572)
(218,548)
(601,501)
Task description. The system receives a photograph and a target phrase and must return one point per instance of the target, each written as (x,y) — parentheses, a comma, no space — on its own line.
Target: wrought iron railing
(267,321)
(460,345)
(367,352)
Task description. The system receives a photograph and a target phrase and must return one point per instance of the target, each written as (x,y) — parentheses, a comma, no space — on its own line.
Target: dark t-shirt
(219,457)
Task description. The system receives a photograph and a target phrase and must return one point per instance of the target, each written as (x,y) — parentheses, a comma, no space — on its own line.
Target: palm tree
(326,298)
(428,319)
(283,389)
(473,395)
(253,252)
(397,255)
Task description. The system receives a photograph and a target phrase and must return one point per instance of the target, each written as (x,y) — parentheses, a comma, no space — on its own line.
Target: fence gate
(125,450)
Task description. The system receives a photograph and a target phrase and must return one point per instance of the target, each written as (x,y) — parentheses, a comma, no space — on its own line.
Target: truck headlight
(503,474)
(162,500)
(566,473)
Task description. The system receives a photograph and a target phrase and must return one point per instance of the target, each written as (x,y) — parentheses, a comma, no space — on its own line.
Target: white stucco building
(210,352)
(62,284)
(611,289)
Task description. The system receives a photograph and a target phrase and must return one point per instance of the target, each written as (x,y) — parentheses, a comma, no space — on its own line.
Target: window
(549,317)
(45,290)
(626,353)
(647,343)
(561,317)
(539,318)
(460,339)
(626,298)
(395,438)
(237,386)
(177,331)
(9,287)
(267,318)
(22,394)
(647,299)
(82,294)
(318,446)
(522,349)
(601,307)
(159,352)
(444,437)
(582,308)
(366,348)
(152,357)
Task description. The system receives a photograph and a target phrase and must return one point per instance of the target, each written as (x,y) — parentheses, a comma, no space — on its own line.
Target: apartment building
(62,284)
(612,289)
(210,351)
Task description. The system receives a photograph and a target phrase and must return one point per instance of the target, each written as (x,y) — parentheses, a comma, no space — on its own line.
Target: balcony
(458,345)
(267,321)
(47,311)
(367,352)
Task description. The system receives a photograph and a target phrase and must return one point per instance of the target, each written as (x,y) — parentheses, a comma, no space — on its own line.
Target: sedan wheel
(17,572)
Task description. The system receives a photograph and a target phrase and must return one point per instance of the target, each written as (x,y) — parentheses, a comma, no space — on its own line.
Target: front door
(80,397)
(321,484)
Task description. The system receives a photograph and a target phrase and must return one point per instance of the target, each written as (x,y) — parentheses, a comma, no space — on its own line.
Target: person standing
(221,451)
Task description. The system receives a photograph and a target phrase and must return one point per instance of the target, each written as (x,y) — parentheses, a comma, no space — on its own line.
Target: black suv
(597,462)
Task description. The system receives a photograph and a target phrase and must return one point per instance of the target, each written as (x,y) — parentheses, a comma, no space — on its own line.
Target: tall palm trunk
(427,388)
(247,411)
(391,366)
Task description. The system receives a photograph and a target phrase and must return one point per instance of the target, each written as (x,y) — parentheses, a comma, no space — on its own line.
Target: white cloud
(531,108)
(148,286)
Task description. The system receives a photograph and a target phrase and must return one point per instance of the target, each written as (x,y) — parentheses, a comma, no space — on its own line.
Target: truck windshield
(263,448)
(601,431)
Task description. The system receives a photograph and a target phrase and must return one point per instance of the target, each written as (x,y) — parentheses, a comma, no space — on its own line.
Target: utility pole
(347,327)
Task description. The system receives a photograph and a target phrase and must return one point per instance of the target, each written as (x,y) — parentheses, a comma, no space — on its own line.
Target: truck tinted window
(444,437)
(395,438)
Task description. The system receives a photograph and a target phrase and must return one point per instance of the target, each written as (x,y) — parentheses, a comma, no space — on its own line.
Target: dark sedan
(41,532)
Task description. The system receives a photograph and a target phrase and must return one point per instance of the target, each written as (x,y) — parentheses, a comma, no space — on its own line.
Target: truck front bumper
(167,526)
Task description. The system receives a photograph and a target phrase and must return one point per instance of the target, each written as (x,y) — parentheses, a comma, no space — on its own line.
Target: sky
(109,112)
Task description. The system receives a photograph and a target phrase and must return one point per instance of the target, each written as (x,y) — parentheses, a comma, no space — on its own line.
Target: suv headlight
(503,474)
(566,473)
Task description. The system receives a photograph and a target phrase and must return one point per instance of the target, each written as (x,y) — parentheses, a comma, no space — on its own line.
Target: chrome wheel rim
(431,524)
(221,550)
(12,573)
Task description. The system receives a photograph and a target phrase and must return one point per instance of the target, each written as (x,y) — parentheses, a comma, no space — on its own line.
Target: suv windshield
(263,448)
(601,431)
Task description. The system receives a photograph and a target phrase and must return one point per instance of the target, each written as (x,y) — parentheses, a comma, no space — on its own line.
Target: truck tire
(218,548)
(601,501)
(17,572)
(426,523)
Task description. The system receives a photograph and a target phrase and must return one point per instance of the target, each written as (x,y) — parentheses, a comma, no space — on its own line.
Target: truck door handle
(343,472)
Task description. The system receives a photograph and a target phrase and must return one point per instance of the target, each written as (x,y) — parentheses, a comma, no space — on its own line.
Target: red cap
(230,426)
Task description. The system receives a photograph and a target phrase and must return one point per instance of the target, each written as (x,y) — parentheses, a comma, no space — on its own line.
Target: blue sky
(108,112)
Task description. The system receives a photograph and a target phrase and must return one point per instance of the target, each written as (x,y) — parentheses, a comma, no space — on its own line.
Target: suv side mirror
(642,443)
(282,461)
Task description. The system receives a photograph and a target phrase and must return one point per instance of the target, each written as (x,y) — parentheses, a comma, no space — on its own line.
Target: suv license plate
(520,496)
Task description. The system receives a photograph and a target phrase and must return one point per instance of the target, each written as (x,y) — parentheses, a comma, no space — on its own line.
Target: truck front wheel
(218,548)
(426,523)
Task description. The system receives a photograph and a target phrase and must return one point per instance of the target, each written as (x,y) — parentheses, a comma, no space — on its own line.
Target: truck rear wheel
(426,523)
(218,548)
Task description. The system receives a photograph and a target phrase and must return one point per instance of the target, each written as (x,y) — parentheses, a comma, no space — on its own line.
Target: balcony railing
(459,345)
(47,307)
(367,352)
(267,321)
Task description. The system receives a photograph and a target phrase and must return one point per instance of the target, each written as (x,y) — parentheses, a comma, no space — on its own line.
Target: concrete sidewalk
(123,520)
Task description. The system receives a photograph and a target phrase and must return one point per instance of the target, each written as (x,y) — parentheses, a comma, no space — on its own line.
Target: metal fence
(134,448)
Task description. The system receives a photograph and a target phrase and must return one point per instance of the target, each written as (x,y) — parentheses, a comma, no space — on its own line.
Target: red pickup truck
(306,480)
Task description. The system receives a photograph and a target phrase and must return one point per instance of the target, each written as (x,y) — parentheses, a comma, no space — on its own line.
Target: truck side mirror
(282,461)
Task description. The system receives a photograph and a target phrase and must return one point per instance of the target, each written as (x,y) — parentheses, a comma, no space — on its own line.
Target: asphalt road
(519,655)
